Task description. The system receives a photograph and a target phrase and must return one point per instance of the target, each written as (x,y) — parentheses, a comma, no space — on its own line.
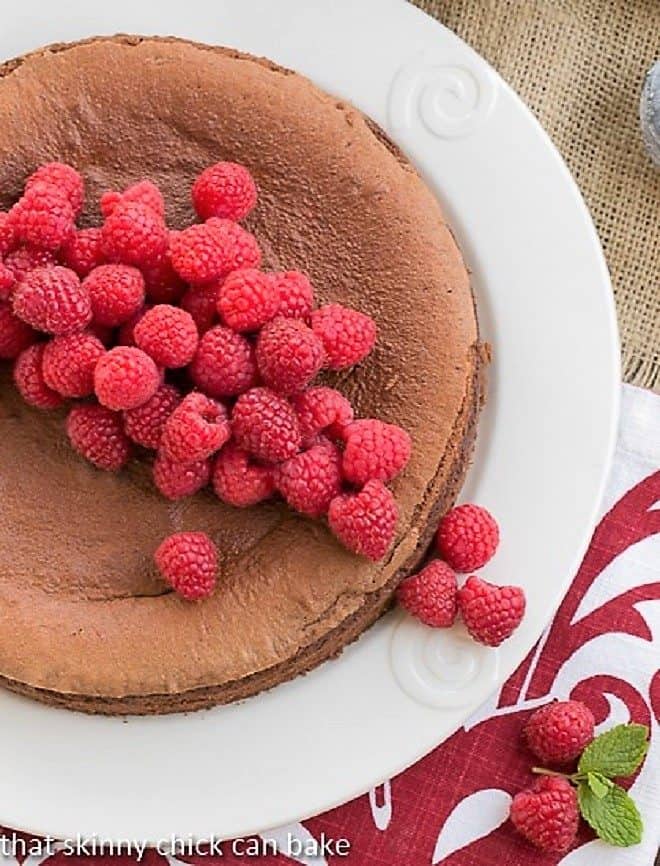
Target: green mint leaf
(600,785)
(617,752)
(614,818)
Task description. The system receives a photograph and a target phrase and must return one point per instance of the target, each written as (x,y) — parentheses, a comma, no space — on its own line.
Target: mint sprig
(605,806)
(617,752)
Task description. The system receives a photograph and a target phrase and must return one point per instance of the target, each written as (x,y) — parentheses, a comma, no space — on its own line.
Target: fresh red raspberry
(289,355)
(247,300)
(126,333)
(188,562)
(164,285)
(225,189)
(82,251)
(53,300)
(202,304)
(98,435)
(197,254)
(322,410)
(144,192)
(145,424)
(238,480)
(125,377)
(197,428)
(224,364)
(8,239)
(312,479)
(558,732)
(178,480)
(134,235)
(26,259)
(347,335)
(168,334)
(365,522)
(116,292)
(69,363)
(29,379)
(374,449)
(43,217)
(430,595)
(546,814)
(296,294)
(240,248)
(64,178)
(266,425)
(7,282)
(15,334)
(467,537)
(491,613)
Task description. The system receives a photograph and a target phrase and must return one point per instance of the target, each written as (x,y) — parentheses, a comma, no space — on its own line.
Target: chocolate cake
(85,621)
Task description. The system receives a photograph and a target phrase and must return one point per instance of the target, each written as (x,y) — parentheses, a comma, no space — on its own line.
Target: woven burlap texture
(579,65)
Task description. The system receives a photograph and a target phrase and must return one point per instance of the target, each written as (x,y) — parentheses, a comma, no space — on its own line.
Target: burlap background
(579,65)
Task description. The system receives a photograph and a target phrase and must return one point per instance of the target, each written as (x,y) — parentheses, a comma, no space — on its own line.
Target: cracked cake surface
(85,620)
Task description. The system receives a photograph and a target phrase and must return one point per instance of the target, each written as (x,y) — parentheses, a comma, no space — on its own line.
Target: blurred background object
(580,66)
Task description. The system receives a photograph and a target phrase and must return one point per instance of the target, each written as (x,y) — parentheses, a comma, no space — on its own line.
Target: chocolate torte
(85,621)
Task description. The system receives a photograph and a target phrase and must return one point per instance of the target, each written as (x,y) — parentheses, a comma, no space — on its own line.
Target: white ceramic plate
(545,443)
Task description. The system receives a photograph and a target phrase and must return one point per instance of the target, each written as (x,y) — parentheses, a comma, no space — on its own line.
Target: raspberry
(164,285)
(7,234)
(188,562)
(223,365)
(289,355)
(168,334)
(177,480)
(197,254)
(7,282)
(64,178)
(322,410)
(26,259)
(238,481)
(240,248)
(145,423)
(125,377)
(197,428)
(116,292)
(347,336)
(430,595)
(97,434)
(266,425)
(144,192)
(82,251)
(29,379)
(558,732)
(134,235)
(365,522)
(69,363)
(15,335)
(247,300)
(491,613)
(311,480)
(467,537)
(374,450)
(43,217)
(126,333)
(201,302)
(296,294)
(546,814)
(224,190)
(53,300)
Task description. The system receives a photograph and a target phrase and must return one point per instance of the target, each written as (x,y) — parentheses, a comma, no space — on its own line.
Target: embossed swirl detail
(450,100)
(440,667)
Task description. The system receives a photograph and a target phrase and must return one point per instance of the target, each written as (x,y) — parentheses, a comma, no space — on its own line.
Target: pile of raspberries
(177,342)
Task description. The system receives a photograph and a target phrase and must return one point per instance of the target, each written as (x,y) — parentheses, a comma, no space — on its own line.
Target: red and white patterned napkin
(603,647)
